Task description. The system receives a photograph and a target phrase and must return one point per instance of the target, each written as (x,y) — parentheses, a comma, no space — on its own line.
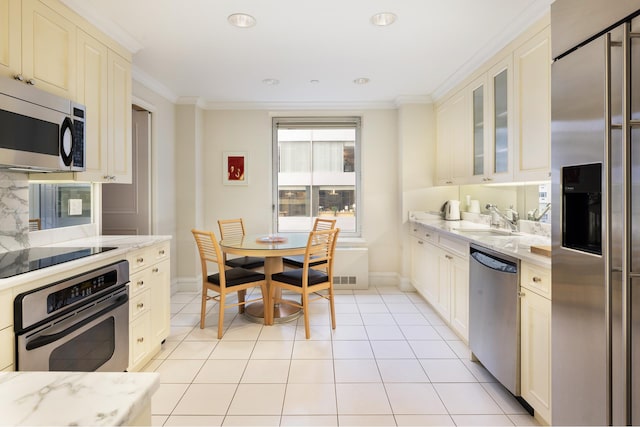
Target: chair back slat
(231,228)
(320,247)
(209,252)
(324,224)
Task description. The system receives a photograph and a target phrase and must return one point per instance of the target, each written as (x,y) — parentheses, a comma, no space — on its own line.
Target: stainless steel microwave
(39,131)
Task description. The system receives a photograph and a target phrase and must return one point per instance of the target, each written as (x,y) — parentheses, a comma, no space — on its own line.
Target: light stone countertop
(514,244)
(123,244)
(75,398)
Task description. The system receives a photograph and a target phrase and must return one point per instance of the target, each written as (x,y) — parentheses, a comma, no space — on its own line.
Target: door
(126,207)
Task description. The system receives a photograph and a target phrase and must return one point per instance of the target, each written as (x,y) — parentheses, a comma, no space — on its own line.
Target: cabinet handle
(420,242)
(140,305)
(161,252)
(139,260)
(449,182)
(155,270)
(31,82)
(536,279)
(521,294)
(141,339)
(18,77)
(448,257)
(140,283)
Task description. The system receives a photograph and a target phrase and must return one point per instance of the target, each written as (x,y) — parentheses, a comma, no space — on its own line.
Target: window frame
(314,122)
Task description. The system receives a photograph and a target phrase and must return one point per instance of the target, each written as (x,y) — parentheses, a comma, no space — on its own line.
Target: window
(316,173)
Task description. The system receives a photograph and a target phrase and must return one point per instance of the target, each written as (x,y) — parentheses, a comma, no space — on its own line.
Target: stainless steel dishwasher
(494,314)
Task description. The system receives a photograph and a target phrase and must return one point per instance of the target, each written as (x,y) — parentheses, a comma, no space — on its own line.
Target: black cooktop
(30,259)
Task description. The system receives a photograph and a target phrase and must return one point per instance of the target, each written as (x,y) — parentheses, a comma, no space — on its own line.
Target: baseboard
(186,284)
(384,279)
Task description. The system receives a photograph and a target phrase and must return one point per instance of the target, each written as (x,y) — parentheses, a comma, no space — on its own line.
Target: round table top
(266,244)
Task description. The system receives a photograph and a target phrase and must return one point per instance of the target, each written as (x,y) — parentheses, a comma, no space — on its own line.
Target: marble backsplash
(14,211)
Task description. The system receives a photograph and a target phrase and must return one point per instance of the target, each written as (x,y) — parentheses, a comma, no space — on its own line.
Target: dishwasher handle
(493,262)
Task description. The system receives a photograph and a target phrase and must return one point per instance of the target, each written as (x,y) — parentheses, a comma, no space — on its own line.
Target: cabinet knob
(141,339)
(161,252)
(415,229)
(521,294)
(448,257)
(420,242)
(139,260)
(536,279)
(31,82)
(140,283)
(155,270)
(18,77)
(140,305)
(427,234)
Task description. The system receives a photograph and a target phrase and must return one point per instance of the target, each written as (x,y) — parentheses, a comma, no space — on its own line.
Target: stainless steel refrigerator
(596,223)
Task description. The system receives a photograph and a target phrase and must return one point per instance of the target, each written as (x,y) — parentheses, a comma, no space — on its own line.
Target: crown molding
(105,25)
(277,106)
(413,99)
(145,79)
(511,32)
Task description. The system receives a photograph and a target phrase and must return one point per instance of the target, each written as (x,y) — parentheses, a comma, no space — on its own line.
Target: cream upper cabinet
(532,124)
(48,49)
(499,122)
(119,133)
(93,93)
(10,37)
(453,138)
(104,87)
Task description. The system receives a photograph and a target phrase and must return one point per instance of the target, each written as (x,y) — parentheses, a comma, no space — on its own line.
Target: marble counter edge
(443,226)
(123,244)
(91,398)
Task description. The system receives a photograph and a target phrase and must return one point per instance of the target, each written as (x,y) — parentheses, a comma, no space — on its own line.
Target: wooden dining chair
(321,246)
(296,261)
(225,280)
(231,229)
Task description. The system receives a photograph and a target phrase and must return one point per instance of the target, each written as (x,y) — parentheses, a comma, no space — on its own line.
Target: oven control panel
(72,294)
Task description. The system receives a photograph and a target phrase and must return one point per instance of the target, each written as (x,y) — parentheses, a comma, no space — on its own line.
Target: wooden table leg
(281,313)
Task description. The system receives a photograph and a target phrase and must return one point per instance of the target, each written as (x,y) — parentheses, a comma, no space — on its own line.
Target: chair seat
(249,262)
(298,261)
(294,277)
(236,276)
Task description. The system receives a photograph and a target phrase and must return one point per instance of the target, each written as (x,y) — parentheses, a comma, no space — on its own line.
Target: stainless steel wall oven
(77,324)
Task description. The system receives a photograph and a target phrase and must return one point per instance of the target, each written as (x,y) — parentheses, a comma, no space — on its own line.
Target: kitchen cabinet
(48,50)
(104,87)
(500,107)
(7,336)
(535,332)
(149,307)
(532,98)
(453,138)
(440,273)
(10,37)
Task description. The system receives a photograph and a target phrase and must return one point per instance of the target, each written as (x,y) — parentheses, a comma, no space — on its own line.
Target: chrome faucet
(512,222)
(535,216)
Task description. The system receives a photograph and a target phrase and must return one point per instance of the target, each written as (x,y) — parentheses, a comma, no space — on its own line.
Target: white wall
(250,131)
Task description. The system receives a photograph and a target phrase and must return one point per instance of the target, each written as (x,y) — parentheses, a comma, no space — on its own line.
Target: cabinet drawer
(423,233)
(458,247)
(143,258)
(139,282)
(139,304)
(6,309)
(536,279)
(6,347)
(139,340)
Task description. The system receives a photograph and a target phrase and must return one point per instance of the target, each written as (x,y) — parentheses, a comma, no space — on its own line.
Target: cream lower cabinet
(7,336)
(440,273)
(535,332)
(149,303)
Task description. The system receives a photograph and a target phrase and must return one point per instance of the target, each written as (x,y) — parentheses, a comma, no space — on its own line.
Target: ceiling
(186,49)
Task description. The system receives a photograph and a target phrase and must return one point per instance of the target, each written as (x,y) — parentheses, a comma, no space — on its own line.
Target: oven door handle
(48,339)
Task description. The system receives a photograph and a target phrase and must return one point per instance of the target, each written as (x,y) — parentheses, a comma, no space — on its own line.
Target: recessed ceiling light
(361,81)
(241,20)
(314,81)
(271,82)
(383,19)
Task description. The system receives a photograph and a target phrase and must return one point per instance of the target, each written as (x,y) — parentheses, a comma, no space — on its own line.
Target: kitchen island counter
(76,398)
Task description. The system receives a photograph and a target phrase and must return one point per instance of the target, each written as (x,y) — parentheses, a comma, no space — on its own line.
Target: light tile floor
(390,361)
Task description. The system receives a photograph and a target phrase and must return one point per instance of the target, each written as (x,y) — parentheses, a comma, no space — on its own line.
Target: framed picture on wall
(235,168)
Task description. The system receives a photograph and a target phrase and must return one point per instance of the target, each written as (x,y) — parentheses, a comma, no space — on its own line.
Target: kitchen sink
(487,232)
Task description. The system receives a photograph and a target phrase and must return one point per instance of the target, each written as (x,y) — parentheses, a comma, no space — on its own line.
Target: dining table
(272,247)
